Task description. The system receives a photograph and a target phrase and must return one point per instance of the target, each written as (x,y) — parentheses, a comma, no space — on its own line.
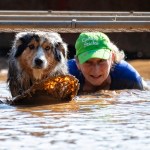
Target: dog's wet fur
(33,57)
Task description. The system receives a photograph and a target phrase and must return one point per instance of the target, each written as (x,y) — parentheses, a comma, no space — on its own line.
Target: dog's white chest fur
(37,74)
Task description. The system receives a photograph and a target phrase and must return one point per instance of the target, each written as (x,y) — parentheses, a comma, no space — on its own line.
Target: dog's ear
(23,41)
(60,48)
(64,49)
(57,52)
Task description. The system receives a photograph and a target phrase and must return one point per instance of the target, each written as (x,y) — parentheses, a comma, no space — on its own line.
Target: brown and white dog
(35,56)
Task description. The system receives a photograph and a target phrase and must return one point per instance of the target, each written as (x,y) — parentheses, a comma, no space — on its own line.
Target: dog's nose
(38,61)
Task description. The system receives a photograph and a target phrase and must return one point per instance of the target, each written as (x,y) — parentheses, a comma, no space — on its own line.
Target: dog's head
(38,52)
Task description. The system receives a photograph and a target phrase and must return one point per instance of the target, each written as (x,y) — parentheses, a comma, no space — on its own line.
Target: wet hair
(118,54)
(25,67)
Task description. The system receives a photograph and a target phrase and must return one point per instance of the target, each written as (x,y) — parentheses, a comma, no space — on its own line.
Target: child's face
(96,70)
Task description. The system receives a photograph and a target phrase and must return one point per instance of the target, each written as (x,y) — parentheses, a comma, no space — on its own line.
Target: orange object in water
(52,90)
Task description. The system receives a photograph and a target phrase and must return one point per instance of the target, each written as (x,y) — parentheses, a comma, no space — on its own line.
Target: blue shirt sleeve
(72,67)
(124,76)
(73,70)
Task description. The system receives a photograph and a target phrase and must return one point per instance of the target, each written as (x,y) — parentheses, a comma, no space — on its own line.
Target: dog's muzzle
(39,63)
(40,60)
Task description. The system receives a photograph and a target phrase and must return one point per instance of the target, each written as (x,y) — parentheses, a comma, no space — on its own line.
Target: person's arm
(125,76)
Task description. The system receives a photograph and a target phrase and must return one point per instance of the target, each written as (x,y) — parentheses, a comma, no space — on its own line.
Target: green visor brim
(102,54)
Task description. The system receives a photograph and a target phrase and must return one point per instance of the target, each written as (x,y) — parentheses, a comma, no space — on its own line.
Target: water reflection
(105,120)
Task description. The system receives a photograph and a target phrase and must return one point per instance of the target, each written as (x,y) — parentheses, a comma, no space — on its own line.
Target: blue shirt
(123,76)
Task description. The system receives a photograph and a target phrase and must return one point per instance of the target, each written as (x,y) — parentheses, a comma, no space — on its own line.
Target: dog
(35,56)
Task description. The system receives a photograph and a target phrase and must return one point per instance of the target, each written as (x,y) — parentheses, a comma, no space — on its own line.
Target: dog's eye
(31,46)
(47,48)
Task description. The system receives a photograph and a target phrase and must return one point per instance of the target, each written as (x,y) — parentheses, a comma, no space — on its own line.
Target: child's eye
(31,46)
(47,48)
(102,60)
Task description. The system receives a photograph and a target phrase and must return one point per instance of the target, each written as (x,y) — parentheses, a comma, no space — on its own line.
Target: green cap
(92,45)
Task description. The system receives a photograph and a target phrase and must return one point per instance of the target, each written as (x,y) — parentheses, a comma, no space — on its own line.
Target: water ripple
(107,120)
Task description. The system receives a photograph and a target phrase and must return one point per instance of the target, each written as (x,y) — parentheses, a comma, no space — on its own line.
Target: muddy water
(114,120)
